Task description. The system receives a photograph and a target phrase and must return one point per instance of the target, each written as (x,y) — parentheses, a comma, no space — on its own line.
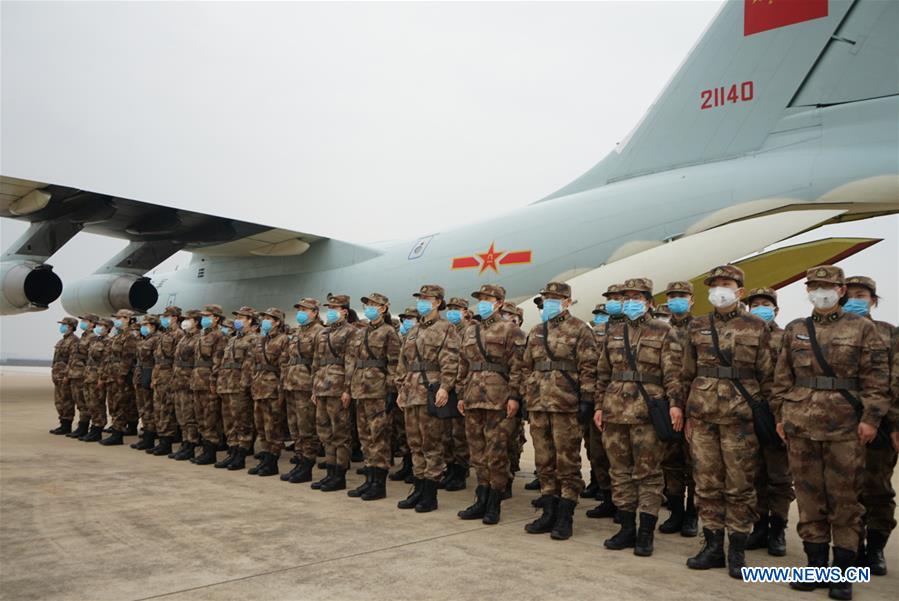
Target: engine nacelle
(27,286)
(104,294)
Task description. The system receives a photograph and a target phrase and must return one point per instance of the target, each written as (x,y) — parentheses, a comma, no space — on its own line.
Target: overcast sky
(302,115)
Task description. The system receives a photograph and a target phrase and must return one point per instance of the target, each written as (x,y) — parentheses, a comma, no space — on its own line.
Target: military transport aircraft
(782,118)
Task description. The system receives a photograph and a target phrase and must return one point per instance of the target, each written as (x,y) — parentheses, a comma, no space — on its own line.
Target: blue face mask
(678,305)
(206,322)
(859,306)
(423,307)
(600,319)
(551,308)
(633,309)
(226,331)
(166,322)
(83,325)
(63,328)
(371,313)
(118,324)
(332,315)
(302,318)
(406,325)
(485,309)
(766,313)
(266,326)
(238,324)
(144,330)
(454,316)
(613,307)
(99,330)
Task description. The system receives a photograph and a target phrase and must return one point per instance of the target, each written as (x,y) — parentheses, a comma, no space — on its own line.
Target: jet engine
(27,286)
(104,294)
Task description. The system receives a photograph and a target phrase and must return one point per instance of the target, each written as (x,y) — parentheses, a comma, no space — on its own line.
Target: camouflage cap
(338,300)
(273,312)
(105,321)
(69,321)
(126,313)
(91,317)
(245,311)
(612,289)
(191,313)
(409,312)
(457,302)
(600,308)
(149,320)
(731,272)
(228,323)
(307,303)
(431,290)
(558,289)
(768,293)
(829,274)
(172,310)
(213,310)
(638,285)
(685,287)
(512,309)
(376,298)
(494,290)
(662,311)
(863,281)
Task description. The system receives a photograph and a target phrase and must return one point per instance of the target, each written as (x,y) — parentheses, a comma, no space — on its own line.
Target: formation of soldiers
(724,417)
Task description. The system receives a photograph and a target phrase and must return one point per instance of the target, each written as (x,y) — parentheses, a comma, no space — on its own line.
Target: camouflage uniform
(177,407)
(119,366)
(62,392)
(270,356)
(210,347)
(398,421)
(145,351)
(456,453)
(596,453)
(94,381)
(233,385)
(517,439)
(75,374)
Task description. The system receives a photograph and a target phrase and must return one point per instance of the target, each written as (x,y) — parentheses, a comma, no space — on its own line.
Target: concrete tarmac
(80,521)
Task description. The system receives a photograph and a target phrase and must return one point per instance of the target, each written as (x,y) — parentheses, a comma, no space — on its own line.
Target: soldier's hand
(461,406)
(866,432)
(511,408)
(781,433)
(677,418)
(894,436)
(345,399)
(442,397)
(597,419)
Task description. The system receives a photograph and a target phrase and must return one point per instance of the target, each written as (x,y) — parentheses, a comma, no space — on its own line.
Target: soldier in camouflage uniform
(489,384)
(720,426)
(408,319)
(143,378)
(600,486)
(429,357)
(561,355)
(296,381)
(517,439)
(210,348)
(233,385)
(163,371)
(62,391)
(270,356)
(877,494)
(825,435)
(179,387)
(677,465)
(773,481)
(94,381)
(330,391)
(455,444)
(629,437)
(76,372)
(119,371)
(371,374)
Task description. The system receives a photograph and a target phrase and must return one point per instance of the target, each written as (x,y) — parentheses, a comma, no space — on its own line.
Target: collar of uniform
(428,319)
(615,318)
(828,318)
(374,325)
(729,315)
(337,324)
(639,321)
(492,319)
(681,321)
(560,317)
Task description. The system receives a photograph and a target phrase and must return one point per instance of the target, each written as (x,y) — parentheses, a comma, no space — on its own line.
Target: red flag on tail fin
(762,15)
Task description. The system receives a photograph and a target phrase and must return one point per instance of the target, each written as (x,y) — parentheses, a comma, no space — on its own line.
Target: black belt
(827,383)
(203,364)
(555,366)
(636,376)
(146,364)
(379,363)
(80,356)
(423,366)
(334,361)
(267,367)
(300,361)
(487,366)
(186,364)
(164,363)
(726,373)
(232,366)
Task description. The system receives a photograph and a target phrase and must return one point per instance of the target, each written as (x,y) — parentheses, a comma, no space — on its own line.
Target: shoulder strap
(632,362)
(726,363)
(575,385)
(477,337)
(827,369)
(330,346)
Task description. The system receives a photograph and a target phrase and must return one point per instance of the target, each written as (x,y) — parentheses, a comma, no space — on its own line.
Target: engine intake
(104,294)
(27,286)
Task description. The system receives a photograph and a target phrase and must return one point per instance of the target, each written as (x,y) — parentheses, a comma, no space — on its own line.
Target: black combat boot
(185,452)
(164,447)
(356,455)
(414,496)
(626,537)
(80,431)
(378,488)
(777,542)
(843,559)
(492,508)
(285,477)
(691,517)
(93,435)
(817,554)
(448,473)
(606,508)
(329,474)
(736,554)
(564,520)
(295,460)
(269,467)
(428,501)
(874,558)
(592,489)
(507,491)
(758,539)
(227,460)
(645,534)
(533,484)
(146,441)
(179,435)
(458,479)
(239,461)
(64,427)
(207,457)
(675,521)
(131,429)
(114,439)
(360,490)
(304,472)
(547,520)
(476,510)
(263,457)
(712,553)
(337,482)
(405,469)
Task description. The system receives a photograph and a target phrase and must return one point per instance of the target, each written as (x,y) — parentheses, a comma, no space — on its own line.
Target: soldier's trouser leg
(677,468)
(635,459)
(62,399)
(242,419)
(724,465)
(827,474)
(129,404)
(599,461)
(97,400)
(514,444)
(341,434)
(373,415)
(123,402)
(166,402)
(227,404)
(354,426)
(425,436)
(446,440)
(557,453)
(209,414)
(363,429)
(488,433)
(305,440)
(774,482)
(77,390)
(144,400)
(877,494)
(290,414)
(275,423)
(259,424)
(400,445)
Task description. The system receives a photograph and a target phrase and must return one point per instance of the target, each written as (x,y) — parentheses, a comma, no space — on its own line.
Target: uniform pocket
(650,352)
(843,352)
(746,348)
(616,353)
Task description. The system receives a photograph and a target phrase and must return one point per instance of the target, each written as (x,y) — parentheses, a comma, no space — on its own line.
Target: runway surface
(85,522)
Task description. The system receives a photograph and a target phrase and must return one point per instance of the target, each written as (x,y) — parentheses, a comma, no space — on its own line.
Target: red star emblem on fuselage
(490,258)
